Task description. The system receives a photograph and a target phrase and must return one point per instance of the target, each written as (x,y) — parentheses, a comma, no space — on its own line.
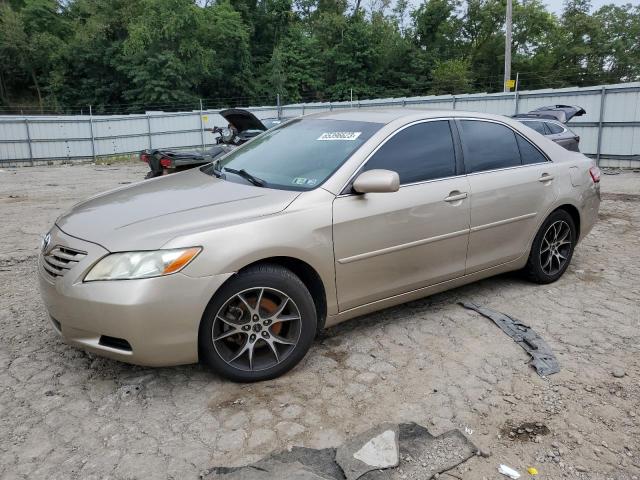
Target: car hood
(147,215)
(242,119)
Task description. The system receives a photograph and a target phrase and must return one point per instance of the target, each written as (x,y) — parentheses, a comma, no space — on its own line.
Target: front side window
(300,155)
(418,153)
(488,146)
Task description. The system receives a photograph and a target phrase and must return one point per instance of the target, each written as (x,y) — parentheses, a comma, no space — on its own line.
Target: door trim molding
(403,246)
(502,222)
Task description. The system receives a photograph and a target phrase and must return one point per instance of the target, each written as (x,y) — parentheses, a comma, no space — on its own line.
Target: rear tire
(258,326)
(552,248)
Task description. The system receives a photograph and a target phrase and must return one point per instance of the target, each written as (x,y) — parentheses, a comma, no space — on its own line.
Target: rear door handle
(455,196)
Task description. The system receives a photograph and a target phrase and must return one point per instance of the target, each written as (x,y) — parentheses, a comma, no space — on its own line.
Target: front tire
(552,248)
(259,325)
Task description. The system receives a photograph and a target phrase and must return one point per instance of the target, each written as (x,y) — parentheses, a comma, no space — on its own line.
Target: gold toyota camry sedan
(327,217)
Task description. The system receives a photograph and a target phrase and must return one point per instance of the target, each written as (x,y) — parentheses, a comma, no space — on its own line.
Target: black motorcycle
(243,126)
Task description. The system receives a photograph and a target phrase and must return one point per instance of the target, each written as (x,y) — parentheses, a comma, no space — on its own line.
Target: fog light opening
(116,343)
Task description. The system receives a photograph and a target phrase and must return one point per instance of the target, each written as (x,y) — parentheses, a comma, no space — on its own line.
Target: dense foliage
(128,55)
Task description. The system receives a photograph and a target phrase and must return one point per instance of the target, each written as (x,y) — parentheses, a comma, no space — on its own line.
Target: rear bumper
(589,210)
(157,317)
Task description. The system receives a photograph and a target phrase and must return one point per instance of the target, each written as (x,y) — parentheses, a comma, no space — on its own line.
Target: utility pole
(507,46)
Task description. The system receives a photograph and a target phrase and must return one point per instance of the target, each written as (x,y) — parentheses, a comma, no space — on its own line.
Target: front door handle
(455,196)
(545,177)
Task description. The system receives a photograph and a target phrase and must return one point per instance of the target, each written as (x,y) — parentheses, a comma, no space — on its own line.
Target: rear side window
(488,146)
(553,128)
(528,152)
(418,153)
(537,126)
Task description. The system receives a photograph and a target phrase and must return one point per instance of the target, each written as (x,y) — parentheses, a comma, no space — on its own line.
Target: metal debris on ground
(374,449)
(543,359)
(387,452)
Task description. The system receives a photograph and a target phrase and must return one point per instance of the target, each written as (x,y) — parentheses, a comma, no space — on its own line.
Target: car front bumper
(151,321)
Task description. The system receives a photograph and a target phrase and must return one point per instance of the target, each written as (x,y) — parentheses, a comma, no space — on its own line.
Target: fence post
(453,102)
(278,106)
(303,104)
(93,142)
(26,124)
(149,130)
(603,93)
(201,126)
(517,100)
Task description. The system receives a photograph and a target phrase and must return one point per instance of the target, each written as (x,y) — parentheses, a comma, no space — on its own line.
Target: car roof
(388,115)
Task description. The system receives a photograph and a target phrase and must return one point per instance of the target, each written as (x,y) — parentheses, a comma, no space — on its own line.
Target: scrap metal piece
(375,449)
(543,359)
(304,463)
(425,456)
(387,452)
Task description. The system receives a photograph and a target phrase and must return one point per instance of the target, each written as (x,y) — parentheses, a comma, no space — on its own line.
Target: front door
(391,243)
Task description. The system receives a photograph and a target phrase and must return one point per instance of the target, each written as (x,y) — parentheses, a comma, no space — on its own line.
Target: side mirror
(377,181)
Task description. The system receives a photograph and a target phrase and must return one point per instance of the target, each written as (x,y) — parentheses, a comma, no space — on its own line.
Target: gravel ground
(67,414)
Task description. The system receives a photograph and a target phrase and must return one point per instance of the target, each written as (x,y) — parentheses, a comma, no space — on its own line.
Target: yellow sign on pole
(205,118)
(510,83)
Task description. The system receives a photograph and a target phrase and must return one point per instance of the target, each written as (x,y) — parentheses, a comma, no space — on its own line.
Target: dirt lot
(67,414)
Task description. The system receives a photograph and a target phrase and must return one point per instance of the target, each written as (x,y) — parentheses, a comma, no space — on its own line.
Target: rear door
(391,243)
(512,186)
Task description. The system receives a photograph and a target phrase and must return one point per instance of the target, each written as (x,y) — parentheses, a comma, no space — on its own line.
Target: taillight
(595,174)
(144,156)
(165,162)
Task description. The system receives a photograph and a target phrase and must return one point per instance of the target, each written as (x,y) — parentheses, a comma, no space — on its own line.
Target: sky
(556,5)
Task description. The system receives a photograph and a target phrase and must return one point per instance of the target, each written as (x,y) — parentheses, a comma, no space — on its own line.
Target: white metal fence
(610,131)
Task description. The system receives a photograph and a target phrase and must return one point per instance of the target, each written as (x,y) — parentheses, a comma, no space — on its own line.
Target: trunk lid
(242,119)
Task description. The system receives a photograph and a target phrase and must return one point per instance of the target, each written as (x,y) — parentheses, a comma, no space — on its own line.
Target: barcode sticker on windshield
(349,136)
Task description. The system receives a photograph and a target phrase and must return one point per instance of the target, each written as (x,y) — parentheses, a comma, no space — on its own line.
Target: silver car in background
(327,217)
(551,120)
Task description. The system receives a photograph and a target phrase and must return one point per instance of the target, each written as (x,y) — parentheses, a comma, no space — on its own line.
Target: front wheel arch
(308,275)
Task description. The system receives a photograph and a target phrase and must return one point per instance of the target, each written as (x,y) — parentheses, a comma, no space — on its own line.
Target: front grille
(61,259)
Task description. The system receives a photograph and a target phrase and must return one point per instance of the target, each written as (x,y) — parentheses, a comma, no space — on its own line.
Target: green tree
(451,76)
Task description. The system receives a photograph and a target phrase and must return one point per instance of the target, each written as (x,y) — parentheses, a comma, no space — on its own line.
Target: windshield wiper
(258,182)
(216,168)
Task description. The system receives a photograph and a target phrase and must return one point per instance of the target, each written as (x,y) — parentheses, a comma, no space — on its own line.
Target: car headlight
(143,264)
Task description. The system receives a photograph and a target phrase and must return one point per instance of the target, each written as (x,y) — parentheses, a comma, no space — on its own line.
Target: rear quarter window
(528,152)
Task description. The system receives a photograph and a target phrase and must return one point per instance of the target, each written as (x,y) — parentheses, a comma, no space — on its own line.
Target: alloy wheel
(555,247)
(256,329)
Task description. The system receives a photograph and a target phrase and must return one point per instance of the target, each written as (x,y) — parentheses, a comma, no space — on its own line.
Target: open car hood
(242,119)
(562,113)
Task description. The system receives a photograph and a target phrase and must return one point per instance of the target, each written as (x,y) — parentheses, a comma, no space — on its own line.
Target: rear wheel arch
(575,215)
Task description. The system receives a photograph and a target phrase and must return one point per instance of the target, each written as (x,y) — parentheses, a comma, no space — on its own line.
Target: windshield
(297,156)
